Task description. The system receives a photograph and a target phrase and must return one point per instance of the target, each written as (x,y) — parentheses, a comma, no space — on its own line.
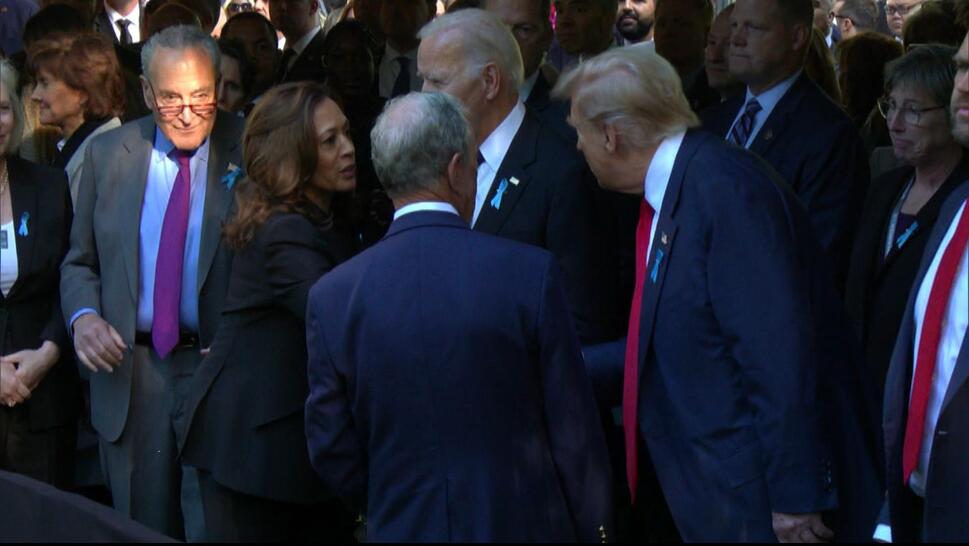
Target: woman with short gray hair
(903,203)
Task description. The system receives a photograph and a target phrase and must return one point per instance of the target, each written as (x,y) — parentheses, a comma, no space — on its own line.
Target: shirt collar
(163,146)
(391,54)
(301,44)
(426,206)
(660,169)
(769,99)
(494,148)
(528,85)
(114,16)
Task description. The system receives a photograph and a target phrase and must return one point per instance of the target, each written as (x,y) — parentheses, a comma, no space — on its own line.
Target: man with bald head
(532,186)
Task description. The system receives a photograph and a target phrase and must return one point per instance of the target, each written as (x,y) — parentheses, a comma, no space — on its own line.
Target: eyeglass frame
(885,108)
(832,16)
(895,10)
(241,7)
(214,105)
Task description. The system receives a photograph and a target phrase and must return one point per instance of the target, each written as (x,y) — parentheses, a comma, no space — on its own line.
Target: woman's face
(59,105)
(231,95)
(336,169)
(919,127)
(349,64)
(6,119)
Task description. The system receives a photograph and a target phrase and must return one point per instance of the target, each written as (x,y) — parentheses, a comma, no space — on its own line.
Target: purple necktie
(740,133)
(171,252)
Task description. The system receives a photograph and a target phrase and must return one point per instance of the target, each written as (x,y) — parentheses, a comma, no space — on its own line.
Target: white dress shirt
(389,69)
(9,265)
(953,331)
(494,149)
(134,29)
(658,178)
(528,85)
(426,206)
(768,101)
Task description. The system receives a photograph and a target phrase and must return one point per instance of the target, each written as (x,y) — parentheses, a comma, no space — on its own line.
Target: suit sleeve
(295,260)
(331,434)
(760,296)
(574,429)
(81,270)
(56,330)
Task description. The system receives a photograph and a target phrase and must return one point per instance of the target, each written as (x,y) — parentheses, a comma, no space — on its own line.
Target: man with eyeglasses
(852,17)
(897,12)
(143,284)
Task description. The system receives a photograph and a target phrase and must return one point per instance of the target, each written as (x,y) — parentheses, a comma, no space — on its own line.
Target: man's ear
(801,37)
(610,138)
(146,93)
(454,167)
(491,80)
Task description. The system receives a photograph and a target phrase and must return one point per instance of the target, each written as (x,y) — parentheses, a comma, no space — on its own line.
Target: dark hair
(348,26)
(280,156)
(172,14)
(234,49)
(250,16)
(703,7)
(52,20)
(795,12)
(819,66)
(862,13)
(929,67)
(85,63)
(934,23)
(862,59)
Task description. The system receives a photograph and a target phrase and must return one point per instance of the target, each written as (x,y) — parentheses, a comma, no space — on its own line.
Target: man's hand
(98,344)
(12,389)
(32,366)
(800,528)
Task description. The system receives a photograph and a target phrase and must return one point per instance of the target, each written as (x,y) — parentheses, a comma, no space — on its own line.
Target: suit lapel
(513,172)
(661,248)
(773,128)
(961,372)
(218,197)
(131,183)
(23,200)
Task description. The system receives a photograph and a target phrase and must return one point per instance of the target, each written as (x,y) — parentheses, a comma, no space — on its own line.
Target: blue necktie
(745,125)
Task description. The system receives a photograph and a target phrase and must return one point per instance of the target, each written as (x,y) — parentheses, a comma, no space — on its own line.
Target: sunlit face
(232,95)
(914,142)
(528,24)
(960,96)
(440,62)
(6,120)
(634,18)
(717,53)
(186,79)
(336,168)
(582,26)
(262,8)
(58,104)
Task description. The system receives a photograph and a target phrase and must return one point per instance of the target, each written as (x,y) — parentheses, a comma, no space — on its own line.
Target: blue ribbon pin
(502,188)
(903,238)
(23,231)
(659,260)
(232,176)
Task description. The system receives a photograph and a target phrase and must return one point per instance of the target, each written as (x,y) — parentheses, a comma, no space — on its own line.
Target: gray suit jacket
(101,268)
(945,517)
(75,166)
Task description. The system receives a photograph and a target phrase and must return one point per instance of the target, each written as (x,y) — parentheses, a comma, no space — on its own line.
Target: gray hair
(9,79)
(415,139)
(181,38)
(484,39)
(862,13)
(929,67)
(632,89)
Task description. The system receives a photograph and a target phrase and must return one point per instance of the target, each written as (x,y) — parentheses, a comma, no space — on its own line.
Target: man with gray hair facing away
(737,365)
(532,186)
(144,281)
(448,399)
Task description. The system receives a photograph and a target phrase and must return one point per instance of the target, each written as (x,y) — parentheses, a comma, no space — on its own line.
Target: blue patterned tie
(745,125)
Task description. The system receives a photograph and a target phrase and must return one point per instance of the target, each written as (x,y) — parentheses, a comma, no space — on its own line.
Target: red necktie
(630,383)
(929,343)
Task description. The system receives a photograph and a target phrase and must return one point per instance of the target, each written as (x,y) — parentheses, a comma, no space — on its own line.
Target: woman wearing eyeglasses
(903,204)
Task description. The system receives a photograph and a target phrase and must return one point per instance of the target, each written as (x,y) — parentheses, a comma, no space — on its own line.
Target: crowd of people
(489,270)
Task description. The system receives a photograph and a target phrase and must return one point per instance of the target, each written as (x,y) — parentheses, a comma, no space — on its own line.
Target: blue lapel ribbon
(502,188)
(904,236)
(23,231)
(655,271)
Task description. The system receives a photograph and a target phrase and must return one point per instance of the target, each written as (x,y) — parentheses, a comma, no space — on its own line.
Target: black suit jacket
(554,206)
(308,64)
(248,393)
(878,288)
(31,313)
(816,149)
(554,113)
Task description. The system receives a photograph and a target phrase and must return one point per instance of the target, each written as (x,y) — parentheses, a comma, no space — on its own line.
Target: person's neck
(123,7)
(769,83)
(439,194)
(639,162)
(403,46)
(494,114)
(933,171)
(69,127)
(322,199)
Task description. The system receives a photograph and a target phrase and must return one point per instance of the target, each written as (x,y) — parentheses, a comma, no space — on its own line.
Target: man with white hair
(736,342)
(532,186)
(448,399)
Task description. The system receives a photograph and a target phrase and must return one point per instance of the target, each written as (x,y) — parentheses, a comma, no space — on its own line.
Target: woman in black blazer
(903,204)
(39,390)
(244,415)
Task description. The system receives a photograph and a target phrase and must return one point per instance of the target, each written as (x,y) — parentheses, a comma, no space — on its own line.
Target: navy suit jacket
(447,391)
(557,205)
(816,149)
(748,395)
(946,507)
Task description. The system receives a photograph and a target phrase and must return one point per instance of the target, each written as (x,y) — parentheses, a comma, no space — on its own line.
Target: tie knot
(645,209)
(123,23)
(753,106)
(181,156)
(403,61)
